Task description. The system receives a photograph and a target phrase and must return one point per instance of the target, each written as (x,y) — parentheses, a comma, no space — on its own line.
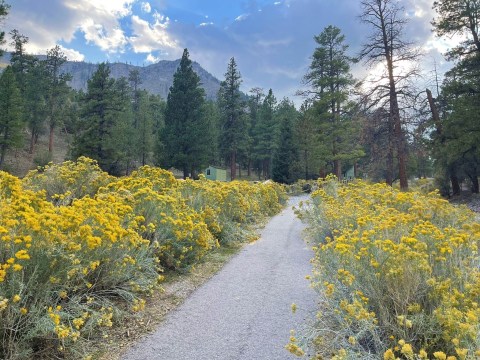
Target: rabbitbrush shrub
(397,273)
(79,249)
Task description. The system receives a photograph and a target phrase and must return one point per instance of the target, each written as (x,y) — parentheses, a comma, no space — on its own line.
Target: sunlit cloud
(146,7)
(149,37)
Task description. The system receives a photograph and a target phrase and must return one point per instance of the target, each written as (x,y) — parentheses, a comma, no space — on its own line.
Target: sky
(271,40)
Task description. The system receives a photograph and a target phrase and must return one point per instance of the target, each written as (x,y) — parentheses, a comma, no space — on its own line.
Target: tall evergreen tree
(329,77)
(10,113)
(57,90)
(306,138)
(255,101)
(35,102)
(456,136)
(4,7)
(285,160)
(144,127)
(186,137)
(20,61)
(234,132)
(103,109)
(459,17)
(265,134)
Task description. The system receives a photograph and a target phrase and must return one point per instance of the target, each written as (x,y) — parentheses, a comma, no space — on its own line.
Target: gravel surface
(243,312)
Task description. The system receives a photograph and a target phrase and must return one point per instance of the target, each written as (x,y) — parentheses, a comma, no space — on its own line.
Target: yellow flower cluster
(395,265)
(72,238)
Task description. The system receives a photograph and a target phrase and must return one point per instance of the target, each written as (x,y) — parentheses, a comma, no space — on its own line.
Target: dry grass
(18,161)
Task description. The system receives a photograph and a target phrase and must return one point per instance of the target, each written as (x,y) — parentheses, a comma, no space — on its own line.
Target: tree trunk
(50,139)
(400,143)
(337,169)
(475,187)
(249,168)
(193,173)
(455,183)
(3,150)
(355,170)
(306,164)
(389,170)
(435,113)
(185,173)
(233,165)
(32,143)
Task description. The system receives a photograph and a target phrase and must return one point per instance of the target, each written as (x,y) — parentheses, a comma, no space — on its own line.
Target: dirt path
(243,312)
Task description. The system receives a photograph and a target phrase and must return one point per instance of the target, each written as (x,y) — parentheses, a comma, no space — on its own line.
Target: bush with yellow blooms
(79,248)
(397,273)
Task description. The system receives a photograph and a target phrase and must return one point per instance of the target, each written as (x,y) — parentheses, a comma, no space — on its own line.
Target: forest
(388,128)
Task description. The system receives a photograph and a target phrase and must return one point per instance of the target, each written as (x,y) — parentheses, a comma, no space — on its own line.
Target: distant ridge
(156,78)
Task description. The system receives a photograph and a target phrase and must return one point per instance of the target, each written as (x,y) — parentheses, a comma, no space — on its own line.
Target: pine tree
(35,102)
(234,132)
(144,127)
(329,77)
(186,138)
(10,113)
(265,134)
(459,17)
(103,112)
(57,90)
(306,138)
(4,7)
(20,61)
(285,160)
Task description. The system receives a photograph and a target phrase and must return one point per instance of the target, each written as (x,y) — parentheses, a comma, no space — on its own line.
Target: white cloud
(149,37)
(110,40)
(72,54)
(61,19)
(152,59)
(146,7)
(242,17)
(206,23)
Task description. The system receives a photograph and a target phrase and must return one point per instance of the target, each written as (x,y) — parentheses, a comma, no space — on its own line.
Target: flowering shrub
(79,248)
(68,181)
(398,274)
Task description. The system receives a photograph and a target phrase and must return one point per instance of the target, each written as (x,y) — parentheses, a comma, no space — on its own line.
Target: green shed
(349,174)
(214,173)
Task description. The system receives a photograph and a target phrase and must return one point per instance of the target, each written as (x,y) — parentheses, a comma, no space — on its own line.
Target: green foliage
(11,108)
(456,148)
(57,90)
(104,113)
(330,79)
(459,17)
(186,138)
(234,131)
(4,8)
(285,160)
(265,134)
(20,61)
(306,138)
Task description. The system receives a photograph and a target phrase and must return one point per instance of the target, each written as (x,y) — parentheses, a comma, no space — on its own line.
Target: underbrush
(397,273)
(80,249)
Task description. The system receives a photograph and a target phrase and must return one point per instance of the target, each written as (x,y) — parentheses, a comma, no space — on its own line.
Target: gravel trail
(244,311)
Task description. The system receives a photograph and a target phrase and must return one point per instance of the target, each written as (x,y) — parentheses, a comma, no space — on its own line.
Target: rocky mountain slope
(156,78)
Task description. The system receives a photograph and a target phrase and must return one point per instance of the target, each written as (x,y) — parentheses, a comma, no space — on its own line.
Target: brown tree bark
(233,165)
(50,139)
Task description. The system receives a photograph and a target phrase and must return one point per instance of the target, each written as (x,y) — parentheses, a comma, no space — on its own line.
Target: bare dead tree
(386,46)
